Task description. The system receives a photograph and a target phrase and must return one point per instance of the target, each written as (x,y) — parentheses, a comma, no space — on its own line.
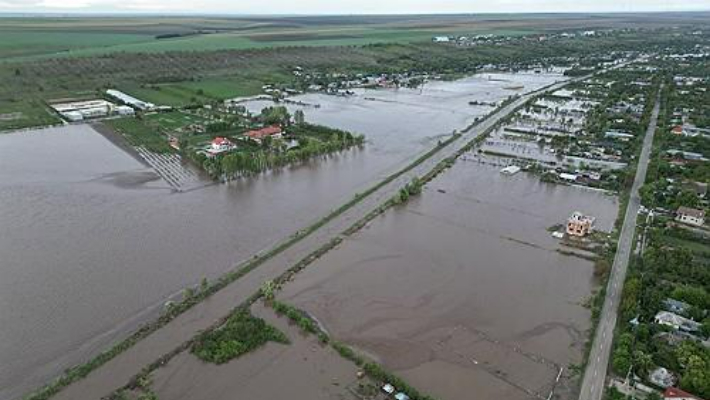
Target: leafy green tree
(299,117)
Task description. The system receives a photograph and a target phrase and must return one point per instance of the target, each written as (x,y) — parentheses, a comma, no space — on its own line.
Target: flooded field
(98,242)
(463,290)
(302,369)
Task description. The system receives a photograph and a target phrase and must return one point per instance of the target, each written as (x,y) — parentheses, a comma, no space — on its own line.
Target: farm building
(130,100)
(81,110)
(269,131)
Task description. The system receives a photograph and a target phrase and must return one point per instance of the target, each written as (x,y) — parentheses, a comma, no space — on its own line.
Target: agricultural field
(200,91)
(18,44)
(25,114)
(25,38)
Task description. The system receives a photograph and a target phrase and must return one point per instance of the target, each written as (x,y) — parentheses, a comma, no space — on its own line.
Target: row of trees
(272,155)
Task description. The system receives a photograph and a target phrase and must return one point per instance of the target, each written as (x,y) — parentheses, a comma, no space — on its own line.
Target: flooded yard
(463,290)
(98,241)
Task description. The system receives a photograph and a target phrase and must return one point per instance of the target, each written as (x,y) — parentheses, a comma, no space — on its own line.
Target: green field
(171,121)
(33,37)
(30,43)
(202,91)
(137,133)
(25,114)
(19,46)
(696,246)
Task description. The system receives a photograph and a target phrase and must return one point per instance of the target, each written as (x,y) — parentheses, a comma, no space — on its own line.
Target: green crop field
(88,44)
(21,44)
(24,114)
(173,120)
(202,91)
(36,37)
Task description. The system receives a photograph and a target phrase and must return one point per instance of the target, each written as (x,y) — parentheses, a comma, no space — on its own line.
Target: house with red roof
(677,130)
(676,394)
(258,135)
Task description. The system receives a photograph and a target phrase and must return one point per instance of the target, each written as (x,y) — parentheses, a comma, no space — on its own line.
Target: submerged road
(117,372)
(593,384)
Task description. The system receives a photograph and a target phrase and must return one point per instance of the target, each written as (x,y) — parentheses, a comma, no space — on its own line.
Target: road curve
(118,371)
(593,384)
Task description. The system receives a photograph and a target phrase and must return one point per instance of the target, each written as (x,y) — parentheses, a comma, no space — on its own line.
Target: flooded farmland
(98,242)
(463,290)
(302,369)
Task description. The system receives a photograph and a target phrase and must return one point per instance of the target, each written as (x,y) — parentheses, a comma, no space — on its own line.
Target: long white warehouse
(130,100)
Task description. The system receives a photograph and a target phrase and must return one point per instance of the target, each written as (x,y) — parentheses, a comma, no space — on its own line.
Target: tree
(299,117)
(654,396)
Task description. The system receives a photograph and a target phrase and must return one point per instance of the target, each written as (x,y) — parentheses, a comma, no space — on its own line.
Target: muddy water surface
(463,290)
(93,242)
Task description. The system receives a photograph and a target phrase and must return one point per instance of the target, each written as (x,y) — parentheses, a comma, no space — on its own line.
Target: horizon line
(291,15)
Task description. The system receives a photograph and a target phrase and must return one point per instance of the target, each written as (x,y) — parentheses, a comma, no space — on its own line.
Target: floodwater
(93,241)
(302,369)
(463,290)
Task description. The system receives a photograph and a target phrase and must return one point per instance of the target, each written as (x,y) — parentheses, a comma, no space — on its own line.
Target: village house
(579,225)
(672,393)
(690,216)
(676,322)
(258,135)
(220,145)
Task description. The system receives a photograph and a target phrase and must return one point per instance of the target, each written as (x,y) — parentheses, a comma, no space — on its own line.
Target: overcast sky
(348,6)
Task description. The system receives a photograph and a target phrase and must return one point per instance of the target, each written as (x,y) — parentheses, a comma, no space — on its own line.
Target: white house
(676,321)
(220,145)
(690,216)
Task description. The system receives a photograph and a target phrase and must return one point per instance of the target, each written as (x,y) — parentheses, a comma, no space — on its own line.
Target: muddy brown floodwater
(302,369)
(93,242)
(463,290)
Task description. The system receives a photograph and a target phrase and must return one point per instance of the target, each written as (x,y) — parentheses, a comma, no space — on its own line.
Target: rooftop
(675,393)
(692,212)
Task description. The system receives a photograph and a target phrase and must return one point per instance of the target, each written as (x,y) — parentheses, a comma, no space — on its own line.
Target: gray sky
(348,6)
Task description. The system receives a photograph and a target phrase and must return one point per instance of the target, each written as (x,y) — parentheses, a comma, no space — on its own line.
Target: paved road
(593,384)
(119,370)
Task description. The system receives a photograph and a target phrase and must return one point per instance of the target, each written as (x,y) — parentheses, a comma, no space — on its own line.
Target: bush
(241,334)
